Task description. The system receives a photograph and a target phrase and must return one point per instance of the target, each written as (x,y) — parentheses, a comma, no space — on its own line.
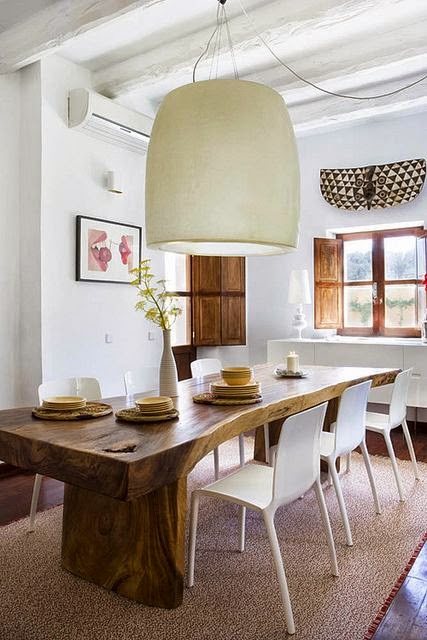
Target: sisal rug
(235,596)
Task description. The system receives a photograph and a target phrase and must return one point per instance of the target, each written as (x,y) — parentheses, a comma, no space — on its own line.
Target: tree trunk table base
(133,548)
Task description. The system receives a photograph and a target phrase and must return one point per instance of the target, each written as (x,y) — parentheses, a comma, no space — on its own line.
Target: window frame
(378,309)
(186,294)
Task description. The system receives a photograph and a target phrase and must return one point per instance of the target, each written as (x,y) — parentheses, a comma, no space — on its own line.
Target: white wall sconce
(114,184)
(299,294)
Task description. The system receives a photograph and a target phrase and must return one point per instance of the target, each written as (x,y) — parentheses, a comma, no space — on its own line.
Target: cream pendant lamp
(222,172)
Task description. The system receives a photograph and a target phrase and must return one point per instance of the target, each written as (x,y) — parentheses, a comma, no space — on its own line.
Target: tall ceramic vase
(168,382)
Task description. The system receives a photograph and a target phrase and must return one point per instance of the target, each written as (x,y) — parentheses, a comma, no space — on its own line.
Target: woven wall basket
(375,187)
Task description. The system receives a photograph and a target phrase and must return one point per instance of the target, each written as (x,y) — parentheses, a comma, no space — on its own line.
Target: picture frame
(106,251)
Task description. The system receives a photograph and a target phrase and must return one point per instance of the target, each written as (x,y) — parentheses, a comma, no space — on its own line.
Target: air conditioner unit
(98,116)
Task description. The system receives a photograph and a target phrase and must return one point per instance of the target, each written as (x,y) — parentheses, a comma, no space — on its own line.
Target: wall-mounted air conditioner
(98,116)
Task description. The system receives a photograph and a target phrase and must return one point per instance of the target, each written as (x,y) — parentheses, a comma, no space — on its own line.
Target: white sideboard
(368,352)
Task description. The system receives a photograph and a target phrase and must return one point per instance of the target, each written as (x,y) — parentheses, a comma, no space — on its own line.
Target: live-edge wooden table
(126,484)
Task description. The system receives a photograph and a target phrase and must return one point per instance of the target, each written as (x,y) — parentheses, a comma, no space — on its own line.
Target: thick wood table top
(76,452)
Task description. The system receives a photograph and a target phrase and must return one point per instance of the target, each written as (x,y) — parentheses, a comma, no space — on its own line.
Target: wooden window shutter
(206,278)
(219,309)
(328,283)
(233,303)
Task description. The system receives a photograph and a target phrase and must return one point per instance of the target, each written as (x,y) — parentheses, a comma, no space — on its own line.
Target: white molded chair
(87,387)
(384,423)
(141,380)
(209,366)
(265,489)
(346,434)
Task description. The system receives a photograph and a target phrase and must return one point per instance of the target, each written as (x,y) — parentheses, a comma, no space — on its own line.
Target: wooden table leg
(134,548)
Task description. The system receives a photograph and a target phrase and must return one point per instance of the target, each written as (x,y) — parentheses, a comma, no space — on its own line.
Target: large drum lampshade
(222,172)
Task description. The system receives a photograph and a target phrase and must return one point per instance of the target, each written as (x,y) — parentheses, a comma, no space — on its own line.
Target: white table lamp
(299,294)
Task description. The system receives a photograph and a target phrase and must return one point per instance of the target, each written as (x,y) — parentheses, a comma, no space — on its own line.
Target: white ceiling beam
(298,31)
(58,23)
(280,22)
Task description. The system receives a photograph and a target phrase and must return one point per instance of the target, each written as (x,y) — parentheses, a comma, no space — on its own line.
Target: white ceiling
(361,46)
(13,12)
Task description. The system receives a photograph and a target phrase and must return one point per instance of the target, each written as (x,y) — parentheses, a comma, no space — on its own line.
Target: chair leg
(368,466)
(267,444)
(242,449)
(242,527)
(193,534)
(348,463)
(341,503)
(327,525)
(216,462)
(280,571)
(394,465)
(35,500)
(410,449)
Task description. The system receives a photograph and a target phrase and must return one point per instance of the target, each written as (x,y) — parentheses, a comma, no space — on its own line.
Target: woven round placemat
(134,415)
(209,398)
(91,410)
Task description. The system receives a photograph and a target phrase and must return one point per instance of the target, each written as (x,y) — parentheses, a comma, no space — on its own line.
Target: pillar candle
(292,362)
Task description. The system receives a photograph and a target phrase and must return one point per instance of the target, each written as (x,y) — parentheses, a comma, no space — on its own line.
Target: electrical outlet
(151,335)
(108,338)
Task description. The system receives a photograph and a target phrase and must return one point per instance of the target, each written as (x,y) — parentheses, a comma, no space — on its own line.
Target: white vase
(168,383)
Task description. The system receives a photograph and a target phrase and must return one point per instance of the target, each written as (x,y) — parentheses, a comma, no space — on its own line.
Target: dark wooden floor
(405,620)
(407,616)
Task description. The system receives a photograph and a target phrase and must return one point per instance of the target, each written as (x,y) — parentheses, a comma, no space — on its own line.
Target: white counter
(362,352)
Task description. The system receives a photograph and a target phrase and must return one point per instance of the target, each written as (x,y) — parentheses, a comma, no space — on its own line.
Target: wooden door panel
(233,321)
(233,275)
(207,320)
(328,283)
(206,274)
(328,307)
(328,260)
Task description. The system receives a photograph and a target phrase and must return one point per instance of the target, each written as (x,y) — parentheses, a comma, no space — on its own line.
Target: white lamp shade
(222,172)
(299,287)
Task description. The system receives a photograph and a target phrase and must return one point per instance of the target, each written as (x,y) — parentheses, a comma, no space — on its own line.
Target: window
(369,283)
(178,277)
(211,293)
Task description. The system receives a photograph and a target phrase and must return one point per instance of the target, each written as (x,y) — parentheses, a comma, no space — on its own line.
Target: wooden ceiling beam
(55,25)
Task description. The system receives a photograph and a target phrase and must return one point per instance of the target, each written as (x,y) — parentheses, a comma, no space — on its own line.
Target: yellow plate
(64,400)
(156,400)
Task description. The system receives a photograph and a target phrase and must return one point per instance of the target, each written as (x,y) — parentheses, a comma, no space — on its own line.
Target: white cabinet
(351,353)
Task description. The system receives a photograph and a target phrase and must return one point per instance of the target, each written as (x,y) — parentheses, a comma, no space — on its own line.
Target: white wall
(269,314)
(9,232)
(30,187)
(77,315)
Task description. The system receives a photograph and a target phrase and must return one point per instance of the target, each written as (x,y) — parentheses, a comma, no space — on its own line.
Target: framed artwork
(106,251)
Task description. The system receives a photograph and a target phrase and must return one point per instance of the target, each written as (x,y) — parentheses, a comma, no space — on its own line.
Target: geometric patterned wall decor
(375,187)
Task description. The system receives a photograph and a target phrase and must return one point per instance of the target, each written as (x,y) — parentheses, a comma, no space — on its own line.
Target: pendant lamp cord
(222,24)
(222,19)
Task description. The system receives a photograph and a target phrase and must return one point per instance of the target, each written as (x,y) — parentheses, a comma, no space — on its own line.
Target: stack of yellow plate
(237,376)
(155,406)
(64,403)
(241,391)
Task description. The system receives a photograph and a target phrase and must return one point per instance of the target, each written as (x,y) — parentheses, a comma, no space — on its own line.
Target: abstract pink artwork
(107,251)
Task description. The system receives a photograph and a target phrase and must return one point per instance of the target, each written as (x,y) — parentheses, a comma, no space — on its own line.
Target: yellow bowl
(236,375)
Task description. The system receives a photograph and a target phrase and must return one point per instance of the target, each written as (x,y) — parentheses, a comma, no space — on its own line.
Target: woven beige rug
(236,595)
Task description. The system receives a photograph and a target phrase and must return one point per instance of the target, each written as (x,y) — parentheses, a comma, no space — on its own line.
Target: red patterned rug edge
(385,607)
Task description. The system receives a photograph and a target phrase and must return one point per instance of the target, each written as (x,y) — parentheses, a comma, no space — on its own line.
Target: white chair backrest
(399,397)
(351,418)
(297,464)
(141,380)
(87,387)
(205,366)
